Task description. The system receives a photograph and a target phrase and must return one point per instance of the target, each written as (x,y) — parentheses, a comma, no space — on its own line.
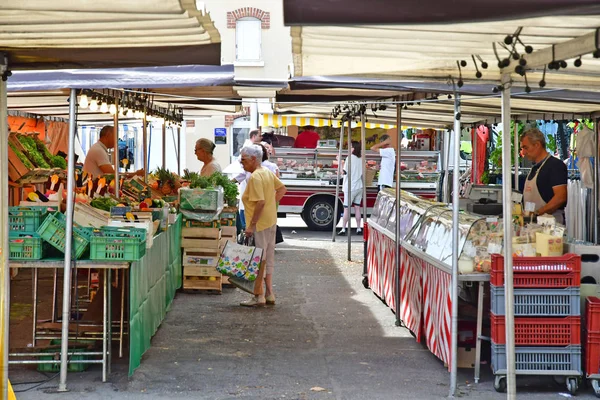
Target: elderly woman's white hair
(253,150)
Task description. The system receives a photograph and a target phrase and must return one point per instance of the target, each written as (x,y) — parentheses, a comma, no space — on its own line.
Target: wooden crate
(196,258)
(202,283)
(228,231)
(201,244)
(200,271)
(201,233)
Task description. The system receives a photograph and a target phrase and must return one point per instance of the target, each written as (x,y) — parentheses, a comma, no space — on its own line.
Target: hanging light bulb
(112,109)
(94,105)
(121,112)
(104,107)
(83,101)
(130,113)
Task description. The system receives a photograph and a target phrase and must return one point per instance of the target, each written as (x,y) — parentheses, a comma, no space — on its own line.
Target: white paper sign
(516,197)
(529,206)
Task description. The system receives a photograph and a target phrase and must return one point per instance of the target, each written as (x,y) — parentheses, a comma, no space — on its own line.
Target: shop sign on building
(220,135)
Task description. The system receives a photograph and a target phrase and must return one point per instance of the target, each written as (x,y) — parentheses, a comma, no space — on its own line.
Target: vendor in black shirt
(546,184)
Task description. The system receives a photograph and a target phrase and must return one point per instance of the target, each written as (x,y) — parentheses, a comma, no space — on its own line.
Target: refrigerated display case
(310,176)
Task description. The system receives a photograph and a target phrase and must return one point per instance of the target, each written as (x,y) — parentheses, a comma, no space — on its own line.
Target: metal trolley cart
(547,318)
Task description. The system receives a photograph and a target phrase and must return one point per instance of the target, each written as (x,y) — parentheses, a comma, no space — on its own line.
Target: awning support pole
(164,145)
(337,184)
(4,266)
(446,155)
(179,150)
(507,221)
(349,190)
(455,245)
(516,155)
(398,199)
(66,303)
(595,188)
(363,146)
(145,148)
(116,155)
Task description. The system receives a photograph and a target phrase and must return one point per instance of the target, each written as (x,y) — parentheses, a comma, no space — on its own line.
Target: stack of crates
(592,342)
(200,245)
(547,325)
(24,241)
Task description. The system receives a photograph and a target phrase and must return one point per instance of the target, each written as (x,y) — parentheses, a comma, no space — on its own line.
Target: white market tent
(85,34)
(428,40)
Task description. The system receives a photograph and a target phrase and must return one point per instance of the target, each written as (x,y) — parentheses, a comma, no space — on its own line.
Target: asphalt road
(327,338)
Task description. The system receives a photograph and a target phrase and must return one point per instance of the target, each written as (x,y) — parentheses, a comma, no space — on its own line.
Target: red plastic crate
(539,272)
(592,314)
(592,353)
(535,331)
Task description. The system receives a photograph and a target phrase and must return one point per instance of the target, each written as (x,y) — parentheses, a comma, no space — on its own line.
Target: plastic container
(25,246)
(26,219)
(53,231)
(562,360)
(539,272)
(54,354)
(539,331)
(538,302)
(592,353)
(592,314)
(118,244)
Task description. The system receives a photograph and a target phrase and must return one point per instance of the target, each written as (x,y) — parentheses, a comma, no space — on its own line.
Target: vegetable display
(21,156)
(230,189)
(32,151)
(103,203)
(55,161)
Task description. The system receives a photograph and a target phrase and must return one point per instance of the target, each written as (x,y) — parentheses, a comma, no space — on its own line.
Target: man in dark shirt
(307,139)
(546,184)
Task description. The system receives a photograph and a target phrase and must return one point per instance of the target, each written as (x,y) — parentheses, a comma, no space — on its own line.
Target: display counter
(423,299)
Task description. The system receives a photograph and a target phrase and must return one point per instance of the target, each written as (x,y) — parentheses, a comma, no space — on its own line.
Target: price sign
(529,207)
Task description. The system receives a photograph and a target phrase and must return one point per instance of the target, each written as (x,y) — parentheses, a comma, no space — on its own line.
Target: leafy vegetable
(32,151)
(103,203)
(230,189)
(21,156)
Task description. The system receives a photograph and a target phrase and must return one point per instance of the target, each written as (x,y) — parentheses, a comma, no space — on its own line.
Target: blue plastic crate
(538,302)
(539,360)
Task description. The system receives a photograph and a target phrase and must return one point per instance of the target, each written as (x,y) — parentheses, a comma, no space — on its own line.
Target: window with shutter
(248,39)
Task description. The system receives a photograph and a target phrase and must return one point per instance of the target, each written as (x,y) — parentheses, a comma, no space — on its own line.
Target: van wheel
(318,213)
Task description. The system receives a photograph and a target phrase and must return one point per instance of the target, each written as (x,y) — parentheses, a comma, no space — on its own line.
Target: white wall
(204,128)
(276,41)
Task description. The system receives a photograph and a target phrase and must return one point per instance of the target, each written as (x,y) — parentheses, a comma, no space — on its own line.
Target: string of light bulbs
(129,105)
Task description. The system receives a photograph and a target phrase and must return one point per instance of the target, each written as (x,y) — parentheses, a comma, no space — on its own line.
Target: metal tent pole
(507,221)
(164,145)
(398,198)
(145,148)
(337,184)
(66,303)
(363,146)
(516,155)
(595,188)
(349,190)
(455,245)
(4,266)
(446,182)
(178,150)
(116,156)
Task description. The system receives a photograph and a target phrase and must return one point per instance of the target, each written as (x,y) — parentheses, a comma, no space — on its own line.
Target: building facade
(255,40)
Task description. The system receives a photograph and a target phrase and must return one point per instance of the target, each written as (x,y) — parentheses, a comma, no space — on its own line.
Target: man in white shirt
(388,161)
(97,161)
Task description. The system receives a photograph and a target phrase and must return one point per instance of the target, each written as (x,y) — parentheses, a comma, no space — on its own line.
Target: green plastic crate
(25,246)
(73,365)
(53,231)
(118,244)
(26,219)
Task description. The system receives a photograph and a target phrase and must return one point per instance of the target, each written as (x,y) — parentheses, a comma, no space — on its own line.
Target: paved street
(327,338)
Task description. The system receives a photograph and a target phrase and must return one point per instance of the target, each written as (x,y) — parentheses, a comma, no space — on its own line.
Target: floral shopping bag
(240,261)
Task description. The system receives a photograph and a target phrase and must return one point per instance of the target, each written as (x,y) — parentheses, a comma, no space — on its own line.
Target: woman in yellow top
(263,191)
(204,151)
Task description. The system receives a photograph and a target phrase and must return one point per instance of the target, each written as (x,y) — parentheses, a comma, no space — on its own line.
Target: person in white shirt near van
(353,190)
(388,162)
